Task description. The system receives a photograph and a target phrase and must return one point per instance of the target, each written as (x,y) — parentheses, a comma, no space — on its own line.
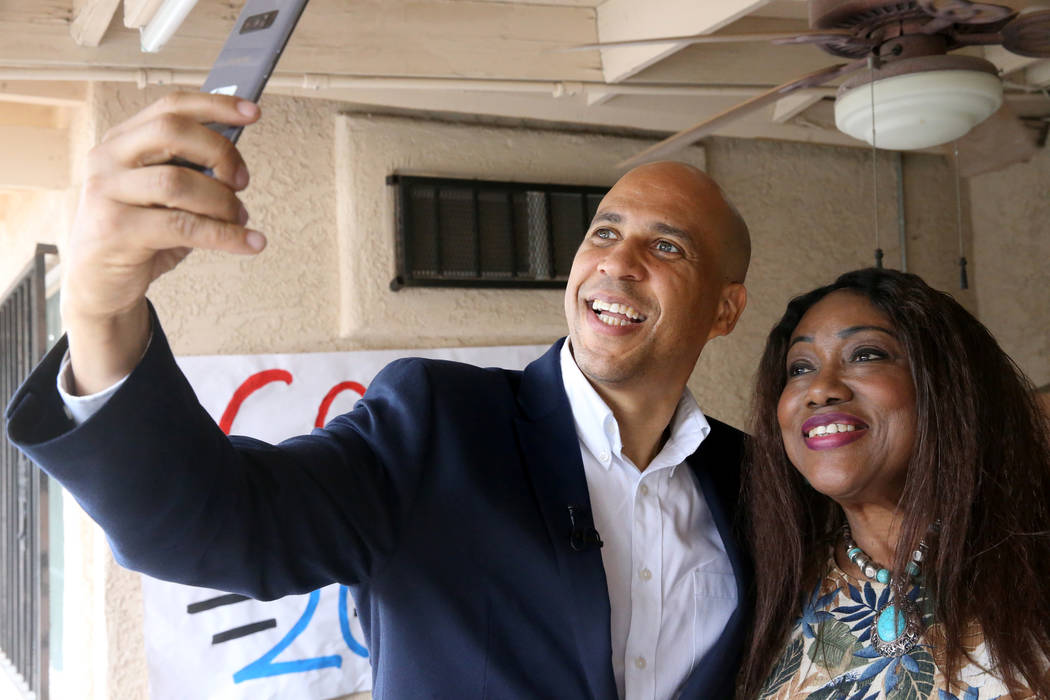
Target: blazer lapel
(551,451)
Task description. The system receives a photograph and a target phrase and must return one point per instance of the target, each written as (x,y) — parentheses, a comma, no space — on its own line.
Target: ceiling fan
(902,88)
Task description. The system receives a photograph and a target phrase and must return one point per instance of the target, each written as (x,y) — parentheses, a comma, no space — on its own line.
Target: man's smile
(615,313)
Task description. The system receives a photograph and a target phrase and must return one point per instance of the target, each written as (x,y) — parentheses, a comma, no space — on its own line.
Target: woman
(899,491)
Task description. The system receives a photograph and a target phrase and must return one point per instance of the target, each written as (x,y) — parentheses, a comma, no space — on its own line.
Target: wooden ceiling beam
(91,19)
(20,114)
(138,13)
(467,38)
(42,92)
(1038,74)
(787,108)
(1007,62)
(642,19)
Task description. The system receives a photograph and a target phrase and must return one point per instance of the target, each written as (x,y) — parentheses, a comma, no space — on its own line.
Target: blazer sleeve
(181,501)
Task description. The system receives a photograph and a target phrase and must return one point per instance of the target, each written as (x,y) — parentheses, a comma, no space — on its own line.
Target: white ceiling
(488,57)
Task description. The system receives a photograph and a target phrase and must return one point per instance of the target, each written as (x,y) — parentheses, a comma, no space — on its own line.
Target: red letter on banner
(326,403)
(256,381)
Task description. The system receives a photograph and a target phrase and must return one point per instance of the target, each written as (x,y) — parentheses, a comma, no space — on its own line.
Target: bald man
(561,532)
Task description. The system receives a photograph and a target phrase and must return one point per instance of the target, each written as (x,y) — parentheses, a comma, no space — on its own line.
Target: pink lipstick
(830,430)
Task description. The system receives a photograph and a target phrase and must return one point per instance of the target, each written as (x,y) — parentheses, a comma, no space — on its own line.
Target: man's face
(647,288)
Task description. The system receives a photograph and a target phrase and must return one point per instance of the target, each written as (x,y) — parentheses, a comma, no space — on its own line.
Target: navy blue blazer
(441,500)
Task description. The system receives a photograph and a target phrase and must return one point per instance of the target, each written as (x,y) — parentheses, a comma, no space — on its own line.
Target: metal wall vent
(480,233)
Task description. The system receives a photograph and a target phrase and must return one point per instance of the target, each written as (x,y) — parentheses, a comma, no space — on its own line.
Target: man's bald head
(714,211)
(659,273)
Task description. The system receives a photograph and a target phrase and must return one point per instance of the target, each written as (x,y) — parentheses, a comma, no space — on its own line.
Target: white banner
(202,643)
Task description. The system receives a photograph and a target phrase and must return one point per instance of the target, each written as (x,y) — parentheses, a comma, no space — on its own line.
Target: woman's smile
(830,430)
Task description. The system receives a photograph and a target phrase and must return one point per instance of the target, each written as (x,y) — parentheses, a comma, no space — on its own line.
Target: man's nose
(827,388)
(623,261)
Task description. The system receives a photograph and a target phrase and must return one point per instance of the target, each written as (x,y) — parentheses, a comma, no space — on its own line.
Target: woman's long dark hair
(981,466)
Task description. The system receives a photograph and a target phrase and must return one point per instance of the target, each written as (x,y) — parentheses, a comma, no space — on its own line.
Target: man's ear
(731,304)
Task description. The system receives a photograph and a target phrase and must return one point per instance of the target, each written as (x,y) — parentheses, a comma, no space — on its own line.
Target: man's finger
(161,229)
(199,106)
(170,136)
(172,187)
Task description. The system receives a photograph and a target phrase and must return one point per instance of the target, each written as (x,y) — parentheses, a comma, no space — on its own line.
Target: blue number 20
(265,665)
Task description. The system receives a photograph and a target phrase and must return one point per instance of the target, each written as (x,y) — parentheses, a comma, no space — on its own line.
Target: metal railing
(23,489)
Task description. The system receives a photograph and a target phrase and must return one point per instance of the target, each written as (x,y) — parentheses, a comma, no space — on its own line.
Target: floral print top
(829,653)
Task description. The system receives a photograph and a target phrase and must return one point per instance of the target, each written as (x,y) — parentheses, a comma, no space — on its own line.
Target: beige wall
(26,219)
(1012,261)
(810,213)
(317,190)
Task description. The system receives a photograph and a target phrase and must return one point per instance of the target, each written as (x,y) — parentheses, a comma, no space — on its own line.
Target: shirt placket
(646,584)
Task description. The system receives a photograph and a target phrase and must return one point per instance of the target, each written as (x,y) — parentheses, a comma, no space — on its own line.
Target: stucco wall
(317,191)
(1012,261)
(368,148)
(809,209)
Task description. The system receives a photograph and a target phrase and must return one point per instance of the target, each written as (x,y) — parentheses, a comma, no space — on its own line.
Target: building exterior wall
(318,171)
(1011,222)
(809,209)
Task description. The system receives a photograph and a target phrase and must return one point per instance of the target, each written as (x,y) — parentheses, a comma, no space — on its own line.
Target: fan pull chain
(964,283)
(874,165)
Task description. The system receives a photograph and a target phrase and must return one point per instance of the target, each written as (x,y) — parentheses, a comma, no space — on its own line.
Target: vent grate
(479,233)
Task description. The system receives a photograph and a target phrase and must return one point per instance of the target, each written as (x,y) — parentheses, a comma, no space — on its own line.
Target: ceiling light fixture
(919,102)
(162,26)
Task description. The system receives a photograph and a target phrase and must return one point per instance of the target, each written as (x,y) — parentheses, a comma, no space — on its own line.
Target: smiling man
(660,272)
(565,531)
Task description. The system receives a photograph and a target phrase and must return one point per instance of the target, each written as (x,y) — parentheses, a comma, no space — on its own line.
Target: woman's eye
(797,368)
(667,247)
(868,354)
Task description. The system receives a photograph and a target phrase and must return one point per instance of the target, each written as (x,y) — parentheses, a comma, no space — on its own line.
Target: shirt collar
(598,431)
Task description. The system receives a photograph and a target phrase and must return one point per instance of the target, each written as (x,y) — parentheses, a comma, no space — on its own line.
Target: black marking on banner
(243,631)
(228,599)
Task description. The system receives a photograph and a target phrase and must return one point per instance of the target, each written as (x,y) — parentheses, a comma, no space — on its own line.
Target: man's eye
(604,233)
(667,247)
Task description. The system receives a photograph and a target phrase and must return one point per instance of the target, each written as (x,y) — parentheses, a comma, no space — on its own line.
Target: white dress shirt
(671,586)
(80,408)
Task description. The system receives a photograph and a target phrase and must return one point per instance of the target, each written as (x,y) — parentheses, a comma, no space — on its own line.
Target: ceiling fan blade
(981,39)
(1029,35)
(684,138)
(965,12)
(821,36)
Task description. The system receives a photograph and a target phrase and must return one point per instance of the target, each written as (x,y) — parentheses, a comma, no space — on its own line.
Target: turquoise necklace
(897,627)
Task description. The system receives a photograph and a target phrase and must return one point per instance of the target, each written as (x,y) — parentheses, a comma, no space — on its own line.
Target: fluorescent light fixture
(165,22)
(919,110)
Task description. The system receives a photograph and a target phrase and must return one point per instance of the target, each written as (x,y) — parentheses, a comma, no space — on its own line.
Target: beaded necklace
(897,626)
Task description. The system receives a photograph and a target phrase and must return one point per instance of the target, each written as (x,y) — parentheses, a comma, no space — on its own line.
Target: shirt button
(639,663)
(644,490)
(603,457)
(645,574)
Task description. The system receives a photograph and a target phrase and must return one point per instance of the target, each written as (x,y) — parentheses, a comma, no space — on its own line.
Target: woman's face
(847,412)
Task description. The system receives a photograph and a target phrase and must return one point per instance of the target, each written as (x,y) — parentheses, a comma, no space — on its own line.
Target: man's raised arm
(139,215)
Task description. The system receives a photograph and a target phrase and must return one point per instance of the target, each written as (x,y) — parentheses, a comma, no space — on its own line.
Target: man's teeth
(831,429)
(623,309)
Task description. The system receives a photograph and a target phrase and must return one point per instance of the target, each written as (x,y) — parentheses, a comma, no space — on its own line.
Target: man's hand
(139,216)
